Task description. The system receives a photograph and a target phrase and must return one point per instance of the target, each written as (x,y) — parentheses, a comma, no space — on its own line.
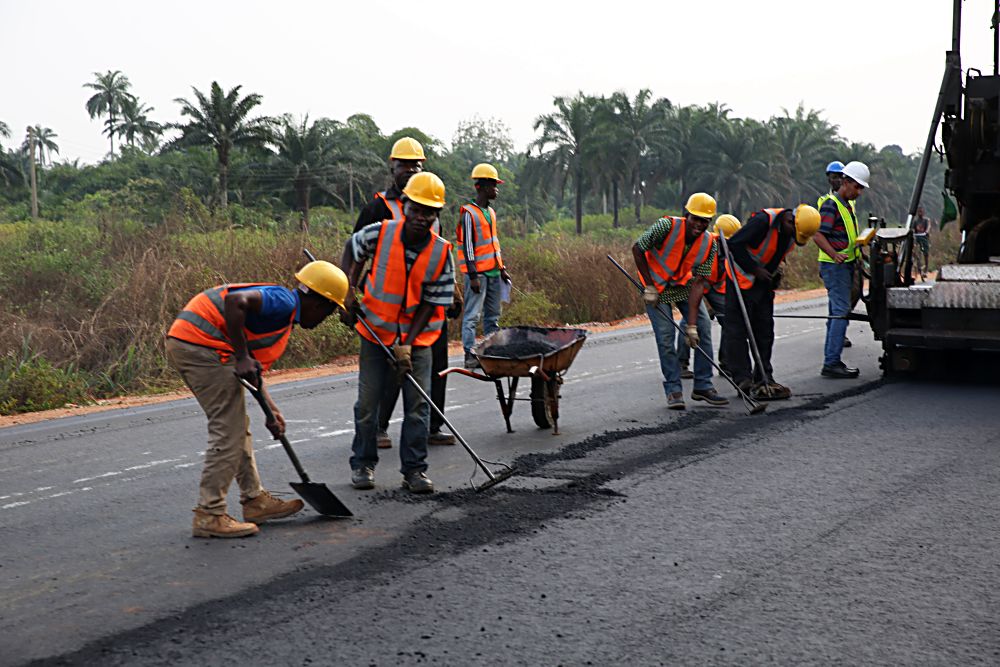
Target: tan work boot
(220,525)
(266,507)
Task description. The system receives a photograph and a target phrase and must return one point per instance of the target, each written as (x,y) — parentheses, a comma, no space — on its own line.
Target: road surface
(855,523)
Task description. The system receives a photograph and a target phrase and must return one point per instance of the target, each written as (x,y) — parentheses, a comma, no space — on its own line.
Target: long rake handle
(257,394)
(746,399)
(746,319)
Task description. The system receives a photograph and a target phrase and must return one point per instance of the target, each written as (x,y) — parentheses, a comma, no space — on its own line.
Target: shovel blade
(321,499)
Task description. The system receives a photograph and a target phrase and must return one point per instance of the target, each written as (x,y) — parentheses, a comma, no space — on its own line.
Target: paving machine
(959,313)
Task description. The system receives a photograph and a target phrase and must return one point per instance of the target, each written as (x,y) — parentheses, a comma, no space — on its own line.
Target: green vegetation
(91,285)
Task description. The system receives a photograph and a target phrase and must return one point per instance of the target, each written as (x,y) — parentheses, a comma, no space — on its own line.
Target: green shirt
(653,238)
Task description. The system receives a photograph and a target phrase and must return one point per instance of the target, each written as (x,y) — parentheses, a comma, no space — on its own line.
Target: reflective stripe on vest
(395,206)
(669,265)
(203,322)
(392,294)
(486,246)
(851,225)
(717,279)
(763,253)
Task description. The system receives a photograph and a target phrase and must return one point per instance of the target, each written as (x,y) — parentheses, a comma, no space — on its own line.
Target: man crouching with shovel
(240,330)
(406,291)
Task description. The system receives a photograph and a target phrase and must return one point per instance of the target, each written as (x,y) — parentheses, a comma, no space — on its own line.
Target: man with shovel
(410,283)
(674,258)
(237,331)
(756,252)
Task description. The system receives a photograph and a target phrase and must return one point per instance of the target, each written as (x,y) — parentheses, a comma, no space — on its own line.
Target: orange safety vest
(669,265)
(763,253)
(203,322)
(392,293)
(486,247)
(395,206)
(717,279)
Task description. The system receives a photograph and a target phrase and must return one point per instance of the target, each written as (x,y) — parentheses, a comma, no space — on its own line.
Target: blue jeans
(376,376)
(666,336)
(837,278)
(486,303)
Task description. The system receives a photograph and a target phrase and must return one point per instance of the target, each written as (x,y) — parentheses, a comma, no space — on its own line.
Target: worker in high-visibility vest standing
(834,176)
(838,262)
(240,330)
(757,251)
(406,291)
(479,259)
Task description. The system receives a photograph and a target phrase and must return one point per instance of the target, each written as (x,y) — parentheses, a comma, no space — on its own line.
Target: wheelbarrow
(541,353)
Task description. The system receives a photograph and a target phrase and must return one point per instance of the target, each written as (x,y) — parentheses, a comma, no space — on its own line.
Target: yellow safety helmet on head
(485,170)
(407,148)
(425,188)
(727,225)
(701,205)
(325,279)
(806,223)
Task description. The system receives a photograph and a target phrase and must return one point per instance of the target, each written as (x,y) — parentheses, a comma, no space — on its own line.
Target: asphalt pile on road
(519,349)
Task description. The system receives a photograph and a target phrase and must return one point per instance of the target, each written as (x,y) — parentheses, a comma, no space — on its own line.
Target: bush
(31,383)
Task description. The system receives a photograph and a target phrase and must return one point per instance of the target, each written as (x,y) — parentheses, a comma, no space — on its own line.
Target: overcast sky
(872,67)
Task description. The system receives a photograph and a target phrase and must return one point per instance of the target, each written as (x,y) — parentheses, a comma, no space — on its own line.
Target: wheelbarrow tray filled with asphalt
(541,353)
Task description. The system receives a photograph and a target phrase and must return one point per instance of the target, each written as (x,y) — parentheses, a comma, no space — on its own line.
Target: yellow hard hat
(325,279)
(485,170)
(407,148)
(701,205)
(425,188)
(727,225)
(806,223)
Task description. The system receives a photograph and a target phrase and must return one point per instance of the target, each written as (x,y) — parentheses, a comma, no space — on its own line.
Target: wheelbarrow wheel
(541,401)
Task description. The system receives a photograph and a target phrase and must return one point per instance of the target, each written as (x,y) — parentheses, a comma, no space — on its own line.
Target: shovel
(319,497)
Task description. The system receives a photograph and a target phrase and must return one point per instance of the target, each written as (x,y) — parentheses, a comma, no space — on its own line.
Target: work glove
(504,276)
(691,333)
(776,279)
(474,284)
(650,295)
(350,313)
(404,359)
(457,303)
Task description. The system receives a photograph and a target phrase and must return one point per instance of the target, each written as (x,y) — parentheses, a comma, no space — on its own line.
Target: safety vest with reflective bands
(486,246)
(764,252)
(395,206)
(717,279)
(851,225)
(203,322)
(669,265)
(392,293)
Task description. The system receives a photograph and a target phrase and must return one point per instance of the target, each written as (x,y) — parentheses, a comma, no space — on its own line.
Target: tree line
(592,154)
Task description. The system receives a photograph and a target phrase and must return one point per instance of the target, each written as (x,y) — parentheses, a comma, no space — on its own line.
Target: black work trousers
(439,362)
(759,301)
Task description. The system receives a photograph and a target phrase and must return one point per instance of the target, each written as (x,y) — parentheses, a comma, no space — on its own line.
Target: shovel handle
(259,396)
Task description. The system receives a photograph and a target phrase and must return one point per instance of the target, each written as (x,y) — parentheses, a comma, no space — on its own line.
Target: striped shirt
(653,238)
(441,292)
(831,225)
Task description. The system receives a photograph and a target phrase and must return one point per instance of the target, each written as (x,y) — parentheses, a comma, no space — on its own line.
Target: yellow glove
(650,295)
(691,333)
(404,359)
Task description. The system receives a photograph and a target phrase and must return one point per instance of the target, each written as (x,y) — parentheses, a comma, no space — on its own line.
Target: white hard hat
(857,171)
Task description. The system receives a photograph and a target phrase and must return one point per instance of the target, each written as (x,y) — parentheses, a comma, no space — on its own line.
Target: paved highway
(856,522)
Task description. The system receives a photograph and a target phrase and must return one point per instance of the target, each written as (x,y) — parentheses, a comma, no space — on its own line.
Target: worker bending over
(240,330)
(410,283)
(756,251)
(674,258)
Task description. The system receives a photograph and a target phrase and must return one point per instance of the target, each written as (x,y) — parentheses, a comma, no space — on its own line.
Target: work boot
(686,372)
(847,342)
(220,525)
(710,396)
(382,440)
(745,385)
(675,401)
(778,392)
(439,438)
(363,478)
(266,507)
(471,361)
(418,482)
(840,371)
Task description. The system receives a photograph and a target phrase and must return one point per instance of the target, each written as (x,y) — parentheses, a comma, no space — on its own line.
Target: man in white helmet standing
(838,260)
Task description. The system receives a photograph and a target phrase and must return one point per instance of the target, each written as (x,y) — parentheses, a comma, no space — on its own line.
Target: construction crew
(757,251)
(674,258)
(479,259)
(240,330)
(406,159)
(838,261)
(410,283)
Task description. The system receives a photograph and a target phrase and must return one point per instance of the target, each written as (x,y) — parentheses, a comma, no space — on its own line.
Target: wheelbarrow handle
(258,394)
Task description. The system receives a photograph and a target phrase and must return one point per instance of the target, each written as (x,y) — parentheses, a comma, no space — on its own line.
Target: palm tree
(4,130)
(304,161)
(112,89)
(222,122)
(741,166)
(642,125)
(44,137)
(569,131)
(135,122)
(807,144)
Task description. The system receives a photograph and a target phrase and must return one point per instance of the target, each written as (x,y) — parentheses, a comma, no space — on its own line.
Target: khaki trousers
(230,445)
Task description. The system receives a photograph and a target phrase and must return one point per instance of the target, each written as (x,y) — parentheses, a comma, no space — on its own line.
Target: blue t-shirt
(277,306)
